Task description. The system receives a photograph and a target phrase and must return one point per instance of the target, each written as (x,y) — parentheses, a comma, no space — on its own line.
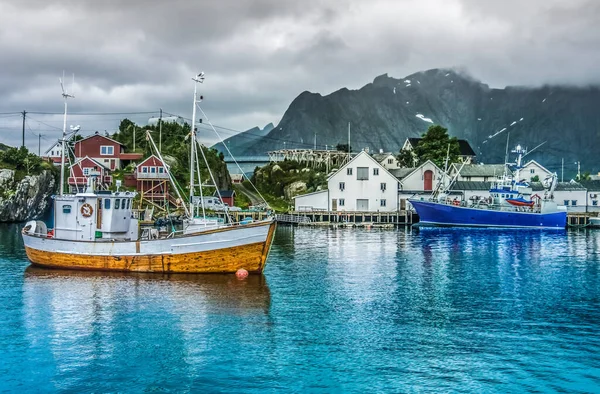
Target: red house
(104,150)
(228,196)
(152,179)
(85,168)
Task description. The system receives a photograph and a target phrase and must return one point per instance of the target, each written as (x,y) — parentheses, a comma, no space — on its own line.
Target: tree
(535,178)
(434,146)
(406,158)
(584,177)
(343,147)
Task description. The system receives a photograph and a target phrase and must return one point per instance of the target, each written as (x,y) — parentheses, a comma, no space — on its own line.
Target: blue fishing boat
(510,204)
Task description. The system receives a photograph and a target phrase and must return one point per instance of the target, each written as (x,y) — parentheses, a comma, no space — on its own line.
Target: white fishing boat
(96,230)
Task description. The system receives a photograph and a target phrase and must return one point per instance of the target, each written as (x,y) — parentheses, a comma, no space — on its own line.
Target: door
(334,204)
(362,205)
(428,180)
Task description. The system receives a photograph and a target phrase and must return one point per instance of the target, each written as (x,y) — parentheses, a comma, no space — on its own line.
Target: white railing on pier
(286,218)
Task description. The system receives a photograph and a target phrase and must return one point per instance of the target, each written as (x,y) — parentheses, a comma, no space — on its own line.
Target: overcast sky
(258,55)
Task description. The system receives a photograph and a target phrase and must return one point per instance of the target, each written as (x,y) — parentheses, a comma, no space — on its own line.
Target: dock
(350,219)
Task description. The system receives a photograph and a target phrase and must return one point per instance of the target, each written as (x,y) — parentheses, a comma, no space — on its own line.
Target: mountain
(387,111)
(244,140)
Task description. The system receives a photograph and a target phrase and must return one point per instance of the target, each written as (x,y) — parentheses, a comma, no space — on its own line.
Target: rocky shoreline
(29,198)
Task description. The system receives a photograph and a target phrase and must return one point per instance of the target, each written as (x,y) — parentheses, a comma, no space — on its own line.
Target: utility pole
(349,150)
(315,140)
(562,170)
(160,131)
(134,138)
(39,145)
(24,114)
(578,170)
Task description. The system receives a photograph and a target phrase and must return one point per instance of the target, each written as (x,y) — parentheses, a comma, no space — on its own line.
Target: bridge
(247,159)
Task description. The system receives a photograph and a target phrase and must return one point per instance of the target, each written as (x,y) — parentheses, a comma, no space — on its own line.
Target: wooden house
(227,196)
(110,153)
(152,181)
(85,168)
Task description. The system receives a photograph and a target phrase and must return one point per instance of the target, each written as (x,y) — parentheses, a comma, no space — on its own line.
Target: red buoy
(241,273)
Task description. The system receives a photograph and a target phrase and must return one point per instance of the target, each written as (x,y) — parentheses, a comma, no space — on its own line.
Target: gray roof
(381,156)
(592,186)
(560,186)
(401,172)
(482,170)
(471,185)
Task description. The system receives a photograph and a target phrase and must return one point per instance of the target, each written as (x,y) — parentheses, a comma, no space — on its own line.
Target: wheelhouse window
(107,150)
(362,173)
(573,202)
(566,202)
(66,209)
(107,203)
(118,203)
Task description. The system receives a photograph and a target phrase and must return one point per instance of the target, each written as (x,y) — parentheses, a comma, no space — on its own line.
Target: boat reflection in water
(211,291)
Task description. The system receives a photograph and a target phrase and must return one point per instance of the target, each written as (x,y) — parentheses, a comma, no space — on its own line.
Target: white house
(387,159)
(361,185)
(533,169)
(53,154)
(422,179)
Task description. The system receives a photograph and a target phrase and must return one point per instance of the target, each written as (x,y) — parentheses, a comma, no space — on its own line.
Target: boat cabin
(95,215)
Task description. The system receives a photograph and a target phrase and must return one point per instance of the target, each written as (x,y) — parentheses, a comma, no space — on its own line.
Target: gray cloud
(137,56)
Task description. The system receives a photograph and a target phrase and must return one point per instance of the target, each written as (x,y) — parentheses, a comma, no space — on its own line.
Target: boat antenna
(506,155)
(65,96)
(197,79)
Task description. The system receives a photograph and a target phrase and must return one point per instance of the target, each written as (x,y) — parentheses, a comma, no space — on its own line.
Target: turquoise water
(336,311)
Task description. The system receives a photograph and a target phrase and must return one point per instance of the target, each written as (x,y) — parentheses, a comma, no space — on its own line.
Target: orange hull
(251,257)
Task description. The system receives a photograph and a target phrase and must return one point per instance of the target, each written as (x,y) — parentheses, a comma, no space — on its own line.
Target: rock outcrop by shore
(29,198)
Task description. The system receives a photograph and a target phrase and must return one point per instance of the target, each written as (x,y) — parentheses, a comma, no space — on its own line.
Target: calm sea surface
(336,311)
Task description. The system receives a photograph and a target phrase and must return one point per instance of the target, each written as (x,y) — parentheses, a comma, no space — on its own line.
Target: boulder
(28,199)
(293,189)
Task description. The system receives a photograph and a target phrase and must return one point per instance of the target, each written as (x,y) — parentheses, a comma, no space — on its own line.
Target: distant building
(387,159)
(533,169)
(53,154)
(110,153)
(85,168)
(361,185)
(227,196)
(422,179)
(477,172)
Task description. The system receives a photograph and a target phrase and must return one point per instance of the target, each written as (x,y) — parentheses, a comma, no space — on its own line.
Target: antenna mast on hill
(66,96)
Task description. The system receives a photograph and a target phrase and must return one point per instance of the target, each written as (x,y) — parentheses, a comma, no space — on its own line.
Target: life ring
(86,210)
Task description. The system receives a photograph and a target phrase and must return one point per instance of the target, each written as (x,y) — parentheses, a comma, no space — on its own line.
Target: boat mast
(66,96)
(506,156)
(197,79)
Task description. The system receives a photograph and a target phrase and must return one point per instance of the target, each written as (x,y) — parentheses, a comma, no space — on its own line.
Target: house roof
(88,158)
(592,186)
(402,172)
(52,147)
(354,158)
(537,164)
(310,194)
(130,156)
(96,134)
(464,146)
(560,186)
(155,158)
(481,170)
(471,185)
(225,193)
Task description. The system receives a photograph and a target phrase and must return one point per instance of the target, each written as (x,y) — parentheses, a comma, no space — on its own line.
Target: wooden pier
(320,218)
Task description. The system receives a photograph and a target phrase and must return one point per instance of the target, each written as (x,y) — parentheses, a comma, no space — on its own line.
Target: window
(348,171)
(362,173)
(161,170)
(144,169)
(107,203)
(107,150)
(383,187)
(573,202)
(117,204)
(375,171)
(532,171)
(106,160)
(594,202)
(153,170)
(126,204)
(342,186)
(66,209)
(342,202)
(86,171)
(566,202)
(390,161)
(382,202)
